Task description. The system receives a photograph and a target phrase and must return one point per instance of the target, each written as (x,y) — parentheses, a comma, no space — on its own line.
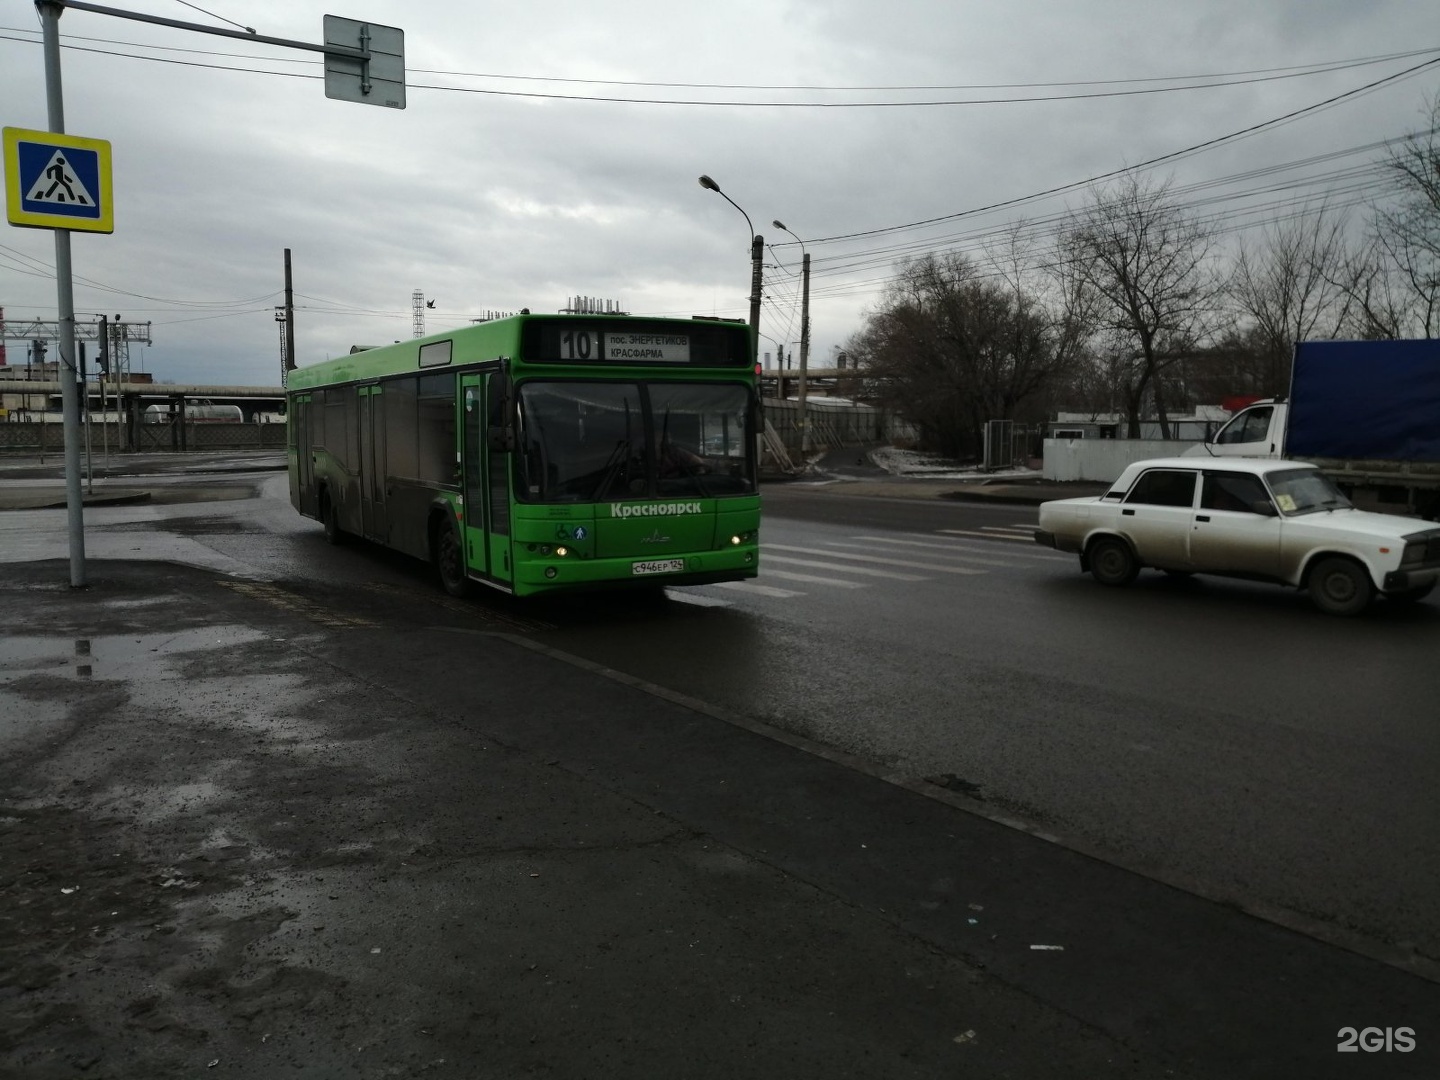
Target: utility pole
(102,360)
(84,418)
(804,351)
(120,369)
(800,418)
(289,317)
(757,256)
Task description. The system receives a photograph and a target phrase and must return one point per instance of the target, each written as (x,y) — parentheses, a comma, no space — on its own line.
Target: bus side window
(435,423)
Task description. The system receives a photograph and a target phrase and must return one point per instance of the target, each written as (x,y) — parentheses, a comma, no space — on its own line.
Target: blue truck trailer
(1367,412)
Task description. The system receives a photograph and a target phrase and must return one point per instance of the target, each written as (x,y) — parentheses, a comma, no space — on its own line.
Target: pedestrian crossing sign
(55,181)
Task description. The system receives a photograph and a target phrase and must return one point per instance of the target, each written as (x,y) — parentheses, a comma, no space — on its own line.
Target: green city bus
(540,453)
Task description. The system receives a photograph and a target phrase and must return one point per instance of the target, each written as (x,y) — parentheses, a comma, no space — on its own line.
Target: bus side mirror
(502,416)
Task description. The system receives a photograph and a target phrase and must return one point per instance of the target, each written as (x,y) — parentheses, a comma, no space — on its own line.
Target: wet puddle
(112,656)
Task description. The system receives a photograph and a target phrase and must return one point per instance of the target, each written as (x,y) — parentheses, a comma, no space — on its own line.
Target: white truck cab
(1256,431)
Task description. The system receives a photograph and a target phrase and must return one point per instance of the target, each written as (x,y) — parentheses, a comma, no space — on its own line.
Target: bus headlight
(562,551)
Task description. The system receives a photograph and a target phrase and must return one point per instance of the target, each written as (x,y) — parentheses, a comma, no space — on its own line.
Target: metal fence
(1011,445)
(49,438)
(833,425)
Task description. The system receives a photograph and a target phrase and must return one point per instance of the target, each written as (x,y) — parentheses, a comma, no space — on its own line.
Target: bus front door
(477,546)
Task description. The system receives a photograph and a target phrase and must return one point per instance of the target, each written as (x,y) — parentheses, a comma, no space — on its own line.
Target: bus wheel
(450,559)
(333,533)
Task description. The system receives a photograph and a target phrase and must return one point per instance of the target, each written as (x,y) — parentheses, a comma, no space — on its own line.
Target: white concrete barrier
(1103,460)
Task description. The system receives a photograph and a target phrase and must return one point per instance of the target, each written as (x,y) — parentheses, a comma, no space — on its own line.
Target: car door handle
(1202,517)
(1127,513)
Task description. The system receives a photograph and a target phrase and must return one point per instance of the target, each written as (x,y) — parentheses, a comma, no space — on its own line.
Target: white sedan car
(1278,521)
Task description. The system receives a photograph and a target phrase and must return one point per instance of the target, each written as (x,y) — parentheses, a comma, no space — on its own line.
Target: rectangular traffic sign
(379,80)
(55,181)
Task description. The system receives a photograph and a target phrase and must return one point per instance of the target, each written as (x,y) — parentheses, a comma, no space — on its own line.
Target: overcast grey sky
(518,177)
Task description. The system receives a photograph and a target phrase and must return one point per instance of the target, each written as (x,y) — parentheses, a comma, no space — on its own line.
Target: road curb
(58,500)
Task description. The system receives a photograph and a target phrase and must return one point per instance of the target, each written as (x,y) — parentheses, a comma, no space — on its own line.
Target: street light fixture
(757,250)
(800,418)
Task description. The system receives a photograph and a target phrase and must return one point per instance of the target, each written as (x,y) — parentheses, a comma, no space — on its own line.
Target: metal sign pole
(65,296)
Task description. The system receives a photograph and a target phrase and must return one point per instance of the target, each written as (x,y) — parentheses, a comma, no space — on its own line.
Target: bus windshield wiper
(619,457)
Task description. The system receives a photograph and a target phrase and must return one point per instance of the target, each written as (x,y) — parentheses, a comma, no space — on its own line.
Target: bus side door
(486,483)
(302,474)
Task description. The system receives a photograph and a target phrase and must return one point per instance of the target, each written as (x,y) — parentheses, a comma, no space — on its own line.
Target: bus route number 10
(577,345)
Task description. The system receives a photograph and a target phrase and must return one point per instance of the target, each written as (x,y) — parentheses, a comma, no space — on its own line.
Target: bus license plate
(658,566)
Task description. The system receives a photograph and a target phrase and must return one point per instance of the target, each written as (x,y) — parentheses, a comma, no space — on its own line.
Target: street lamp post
(801,419)
(757,249)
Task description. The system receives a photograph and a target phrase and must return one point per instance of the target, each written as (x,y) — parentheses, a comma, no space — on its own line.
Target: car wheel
(1340,587)
(450,560)
(1409,596)
(1112,562)
(333,533)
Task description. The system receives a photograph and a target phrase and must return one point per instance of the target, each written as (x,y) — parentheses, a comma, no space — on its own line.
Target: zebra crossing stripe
(762,590)
(865,558)
(786,575)
(955,547)
(766,558)
(953,553)
(988,535)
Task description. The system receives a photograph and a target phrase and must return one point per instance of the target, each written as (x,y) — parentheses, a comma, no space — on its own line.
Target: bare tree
(1148,264)
(1286,288)
(1058,297)
(1407,232)
(1374,308)
(950,347)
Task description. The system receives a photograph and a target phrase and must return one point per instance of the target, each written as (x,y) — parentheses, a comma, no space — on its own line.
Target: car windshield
(1305,491)
(593,441)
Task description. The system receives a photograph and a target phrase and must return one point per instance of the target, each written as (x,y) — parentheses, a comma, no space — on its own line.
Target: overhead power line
(1128,87)
(1173,155)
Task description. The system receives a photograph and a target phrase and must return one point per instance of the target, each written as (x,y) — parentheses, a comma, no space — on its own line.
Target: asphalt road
(1219,735)
(1214,736)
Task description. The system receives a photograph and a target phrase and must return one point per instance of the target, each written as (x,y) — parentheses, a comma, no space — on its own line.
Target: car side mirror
(1264,507)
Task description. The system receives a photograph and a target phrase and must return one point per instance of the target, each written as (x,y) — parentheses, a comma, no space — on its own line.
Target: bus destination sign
(568,339)
(671,348)
(585,343)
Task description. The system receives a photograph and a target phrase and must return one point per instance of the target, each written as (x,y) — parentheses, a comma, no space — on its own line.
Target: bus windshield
(596,441)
